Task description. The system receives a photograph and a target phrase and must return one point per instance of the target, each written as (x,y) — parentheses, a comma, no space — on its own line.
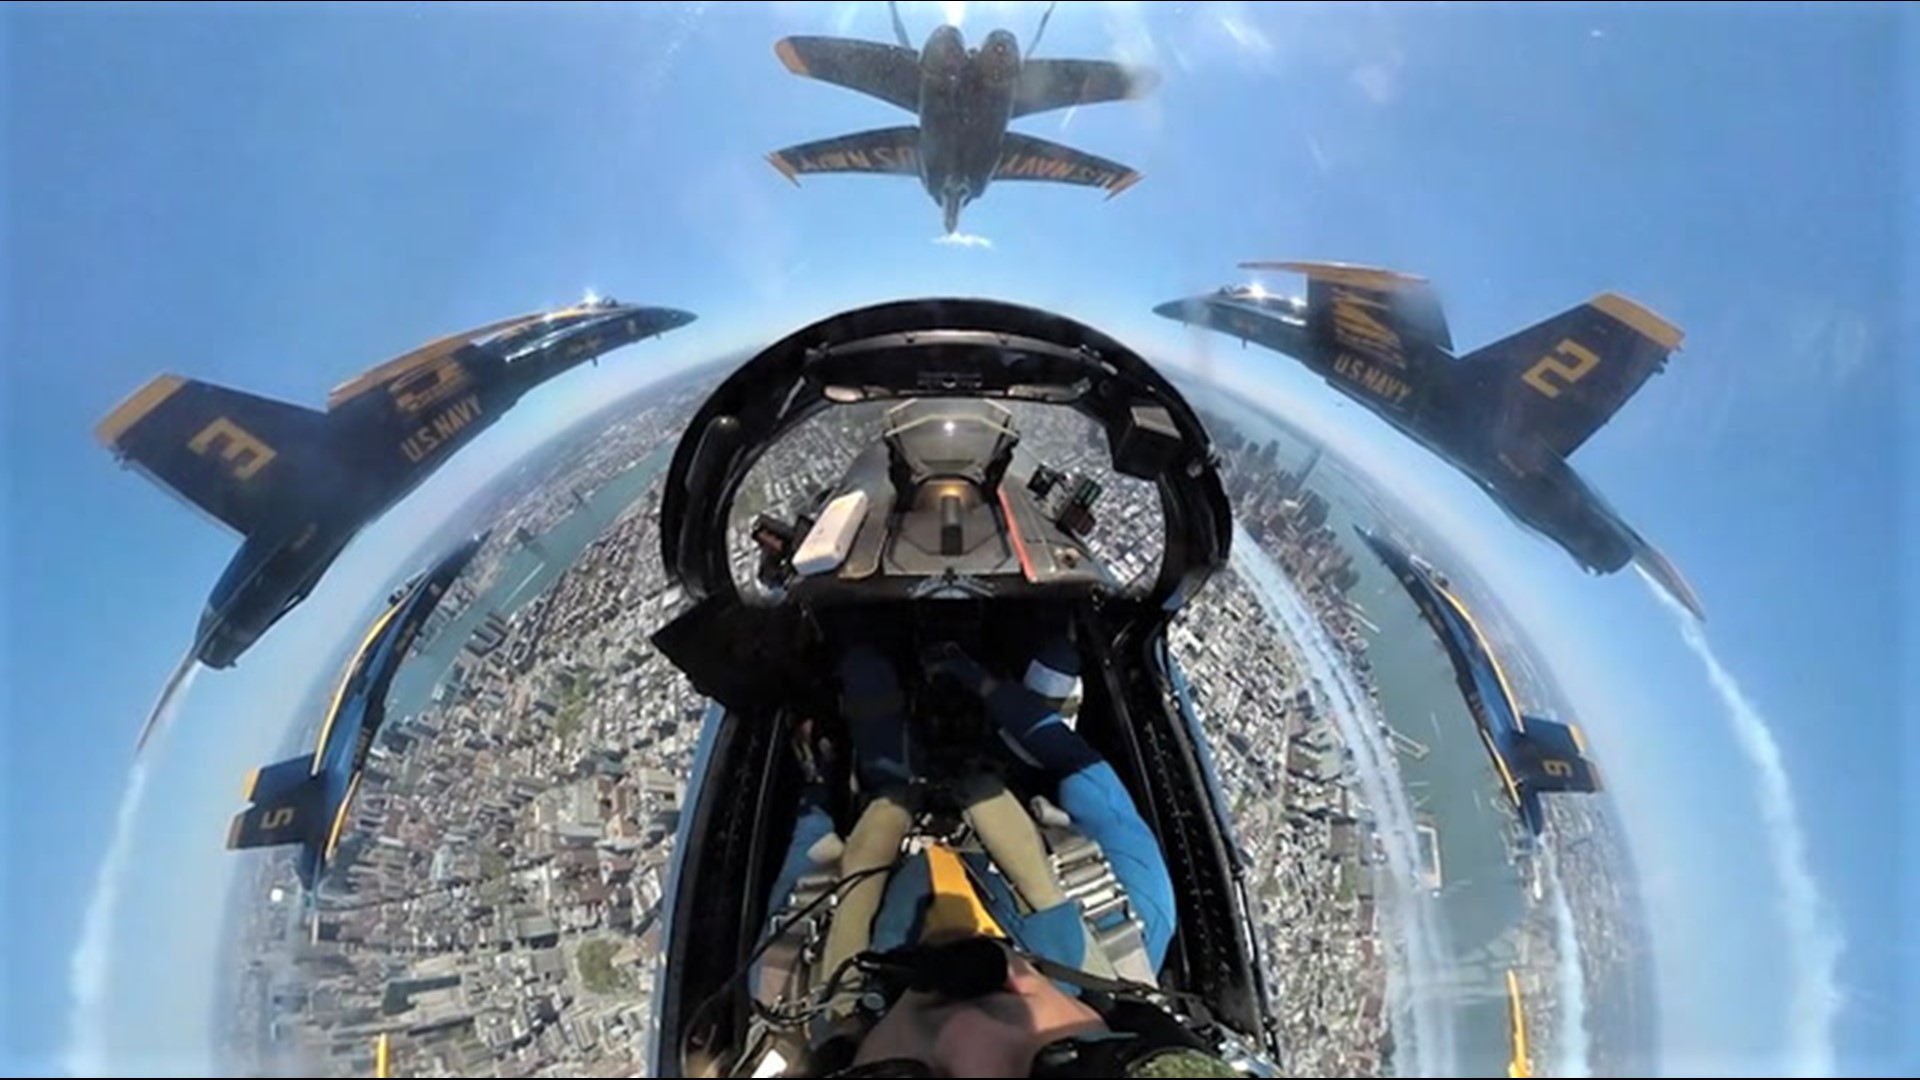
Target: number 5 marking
(277,818)
(1552,374)
(1556,767)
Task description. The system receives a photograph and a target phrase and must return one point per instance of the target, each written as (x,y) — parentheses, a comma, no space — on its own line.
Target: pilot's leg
(876,712)
(813,852)
(1013,841)
(871,851)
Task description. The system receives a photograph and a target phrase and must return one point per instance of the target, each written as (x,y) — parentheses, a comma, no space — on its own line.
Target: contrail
(91,969)
(1573,1045)
(963,240)
(163,709)
(1813,941)
(1422,958)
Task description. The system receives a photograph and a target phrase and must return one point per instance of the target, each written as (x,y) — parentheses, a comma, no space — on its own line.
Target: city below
(494,909)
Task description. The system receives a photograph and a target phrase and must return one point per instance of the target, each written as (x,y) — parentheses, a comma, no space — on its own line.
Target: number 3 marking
(1552,374)
(243,452)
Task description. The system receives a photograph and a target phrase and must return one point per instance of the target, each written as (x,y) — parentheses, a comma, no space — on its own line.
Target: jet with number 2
(1508,414)
(964,99)
(299,484)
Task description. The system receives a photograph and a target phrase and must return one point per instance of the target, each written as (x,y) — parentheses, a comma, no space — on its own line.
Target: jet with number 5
(304,800)
(1532,756)
(1507,414)
(299,483)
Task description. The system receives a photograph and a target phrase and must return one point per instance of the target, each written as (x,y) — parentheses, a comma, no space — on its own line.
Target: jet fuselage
(377,447)
(360,703)
(966,102)
(1536,488)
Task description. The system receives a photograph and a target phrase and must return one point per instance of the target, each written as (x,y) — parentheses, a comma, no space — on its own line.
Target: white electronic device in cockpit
(830,540)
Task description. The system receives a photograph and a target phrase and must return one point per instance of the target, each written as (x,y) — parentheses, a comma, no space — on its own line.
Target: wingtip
(1340,273)
(1642,319)
(790,56)
(779,161)
(135,407)
(1132,177)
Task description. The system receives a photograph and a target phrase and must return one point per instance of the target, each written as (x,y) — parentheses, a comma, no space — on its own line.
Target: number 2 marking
(1552,373)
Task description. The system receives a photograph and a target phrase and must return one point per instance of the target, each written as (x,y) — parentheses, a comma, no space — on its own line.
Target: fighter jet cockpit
(1123,539)
(961,502)
(889,522)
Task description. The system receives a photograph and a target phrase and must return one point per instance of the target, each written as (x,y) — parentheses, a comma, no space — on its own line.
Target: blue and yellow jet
(304,800)
(300,483)
(1510,415)
(1532,756)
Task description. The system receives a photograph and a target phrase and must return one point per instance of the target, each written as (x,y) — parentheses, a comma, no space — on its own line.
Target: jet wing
(1045,85)
(426,356)
(888,72)
(1560,380)
(1375,333)
(1023,157)
(1664,573)
(891,151)
(227,452)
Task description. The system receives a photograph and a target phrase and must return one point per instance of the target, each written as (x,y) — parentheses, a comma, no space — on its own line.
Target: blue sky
(275,199)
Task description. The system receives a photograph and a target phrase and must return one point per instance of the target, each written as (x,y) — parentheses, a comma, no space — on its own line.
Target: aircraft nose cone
(953,198)
(1178,310)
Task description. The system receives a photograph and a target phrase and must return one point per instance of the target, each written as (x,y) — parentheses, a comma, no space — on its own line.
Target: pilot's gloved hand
(949,659)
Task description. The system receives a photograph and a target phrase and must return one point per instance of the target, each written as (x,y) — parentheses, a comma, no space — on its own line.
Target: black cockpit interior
(947,527)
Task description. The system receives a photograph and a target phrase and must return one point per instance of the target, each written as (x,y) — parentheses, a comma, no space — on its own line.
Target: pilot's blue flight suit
(1090,792)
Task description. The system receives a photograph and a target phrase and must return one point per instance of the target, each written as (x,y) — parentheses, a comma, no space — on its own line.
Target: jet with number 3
(1507,414)
(299,483)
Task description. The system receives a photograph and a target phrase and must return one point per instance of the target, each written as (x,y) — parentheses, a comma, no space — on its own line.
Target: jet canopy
(921,447)
(965,440)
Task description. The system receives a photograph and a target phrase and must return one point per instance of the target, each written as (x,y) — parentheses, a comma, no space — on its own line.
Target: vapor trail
(91,967)
(1813,941)
(1422,958)
(1572,1045)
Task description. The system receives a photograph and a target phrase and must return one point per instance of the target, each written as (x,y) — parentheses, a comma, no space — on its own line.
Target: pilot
(890,904)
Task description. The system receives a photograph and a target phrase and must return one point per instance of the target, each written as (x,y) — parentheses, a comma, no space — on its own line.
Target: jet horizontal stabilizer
(888,72)
(286,798)
(1551,756)
(1046,85)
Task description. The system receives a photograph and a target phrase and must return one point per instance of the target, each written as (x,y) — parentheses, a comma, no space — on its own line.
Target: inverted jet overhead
(964,99)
